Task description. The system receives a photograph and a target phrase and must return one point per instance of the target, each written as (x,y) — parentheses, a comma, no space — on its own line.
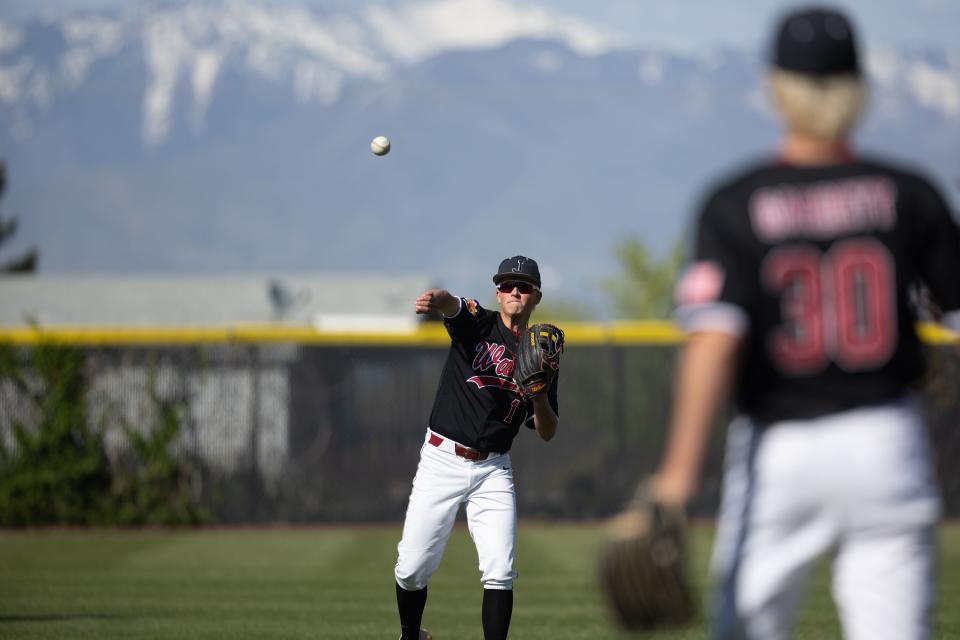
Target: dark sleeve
(551,398)
(465,325)
(940,249)
(716,289)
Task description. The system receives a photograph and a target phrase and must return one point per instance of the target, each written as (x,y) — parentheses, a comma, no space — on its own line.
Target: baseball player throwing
(797,300)
(464,460)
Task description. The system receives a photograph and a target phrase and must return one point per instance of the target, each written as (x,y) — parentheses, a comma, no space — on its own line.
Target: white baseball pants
(443,482)
(859,484)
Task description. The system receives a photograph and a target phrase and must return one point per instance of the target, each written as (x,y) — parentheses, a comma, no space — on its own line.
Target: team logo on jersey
(472,306)
(492,355)
(701,283)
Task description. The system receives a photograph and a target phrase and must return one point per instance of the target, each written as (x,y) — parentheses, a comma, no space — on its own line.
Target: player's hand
(433,300)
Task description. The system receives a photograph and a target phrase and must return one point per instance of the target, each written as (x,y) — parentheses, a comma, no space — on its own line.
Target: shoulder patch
(701,283)
(472,306)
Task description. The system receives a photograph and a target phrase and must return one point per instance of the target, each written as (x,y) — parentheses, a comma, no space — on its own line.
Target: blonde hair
(822,107)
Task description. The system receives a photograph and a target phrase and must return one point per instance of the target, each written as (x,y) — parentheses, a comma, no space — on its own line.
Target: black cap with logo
(817,42)
(518,268)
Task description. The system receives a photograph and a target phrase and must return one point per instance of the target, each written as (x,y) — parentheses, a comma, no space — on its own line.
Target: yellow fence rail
(427,334)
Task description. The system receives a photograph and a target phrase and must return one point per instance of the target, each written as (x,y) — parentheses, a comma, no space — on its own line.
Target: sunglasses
(522,287)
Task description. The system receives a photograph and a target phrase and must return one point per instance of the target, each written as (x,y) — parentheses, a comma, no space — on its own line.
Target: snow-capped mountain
(223,136)
(185,46)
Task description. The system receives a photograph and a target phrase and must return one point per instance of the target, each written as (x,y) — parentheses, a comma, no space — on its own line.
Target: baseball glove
(642,568)
(538,358)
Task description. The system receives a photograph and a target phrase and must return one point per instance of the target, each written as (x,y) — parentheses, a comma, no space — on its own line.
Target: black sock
(410,604)
(497,609)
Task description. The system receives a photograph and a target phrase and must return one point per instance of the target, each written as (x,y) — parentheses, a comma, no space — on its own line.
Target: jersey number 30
(838,306)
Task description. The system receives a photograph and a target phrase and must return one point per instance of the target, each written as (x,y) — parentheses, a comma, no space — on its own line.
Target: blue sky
(685,24)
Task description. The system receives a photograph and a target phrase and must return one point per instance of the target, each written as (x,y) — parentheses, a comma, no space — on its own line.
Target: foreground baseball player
(796,300)
(476,415)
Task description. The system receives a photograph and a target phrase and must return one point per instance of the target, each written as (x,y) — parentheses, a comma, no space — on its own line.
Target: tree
(27,263)
(644,287)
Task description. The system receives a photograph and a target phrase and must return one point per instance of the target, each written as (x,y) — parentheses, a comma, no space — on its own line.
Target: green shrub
(153,486)
(57,471)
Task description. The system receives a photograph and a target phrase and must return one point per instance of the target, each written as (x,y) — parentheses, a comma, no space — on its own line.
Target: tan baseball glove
(642,568)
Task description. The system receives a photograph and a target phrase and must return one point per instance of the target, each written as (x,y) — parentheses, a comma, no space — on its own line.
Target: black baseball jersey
(813,267)
(478,404)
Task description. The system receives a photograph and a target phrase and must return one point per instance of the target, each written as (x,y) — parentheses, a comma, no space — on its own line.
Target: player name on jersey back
(824,209)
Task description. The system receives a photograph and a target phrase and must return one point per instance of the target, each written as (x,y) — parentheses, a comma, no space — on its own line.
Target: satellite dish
(283,299)
(280,297)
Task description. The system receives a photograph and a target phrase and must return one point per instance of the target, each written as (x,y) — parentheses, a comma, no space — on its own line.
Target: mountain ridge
(532,145)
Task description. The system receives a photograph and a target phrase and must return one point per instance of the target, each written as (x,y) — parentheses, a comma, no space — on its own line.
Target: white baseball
(380,145)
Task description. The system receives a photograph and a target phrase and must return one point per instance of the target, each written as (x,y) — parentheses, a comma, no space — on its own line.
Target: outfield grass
(331,583)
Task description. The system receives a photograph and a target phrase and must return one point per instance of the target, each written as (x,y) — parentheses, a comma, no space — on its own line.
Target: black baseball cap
(816,41)
(518,268)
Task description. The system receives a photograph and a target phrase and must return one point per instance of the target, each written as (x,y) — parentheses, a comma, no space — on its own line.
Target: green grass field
(326,583)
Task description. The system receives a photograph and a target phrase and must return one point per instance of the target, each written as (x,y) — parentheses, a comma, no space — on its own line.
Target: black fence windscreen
(295,433)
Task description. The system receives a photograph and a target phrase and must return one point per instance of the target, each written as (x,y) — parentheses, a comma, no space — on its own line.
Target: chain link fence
(320,433)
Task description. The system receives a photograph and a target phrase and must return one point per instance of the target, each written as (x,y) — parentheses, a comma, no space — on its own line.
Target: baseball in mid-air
(380,145)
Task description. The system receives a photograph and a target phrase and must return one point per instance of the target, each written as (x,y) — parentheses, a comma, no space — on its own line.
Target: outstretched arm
(705,369)
(437,300)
